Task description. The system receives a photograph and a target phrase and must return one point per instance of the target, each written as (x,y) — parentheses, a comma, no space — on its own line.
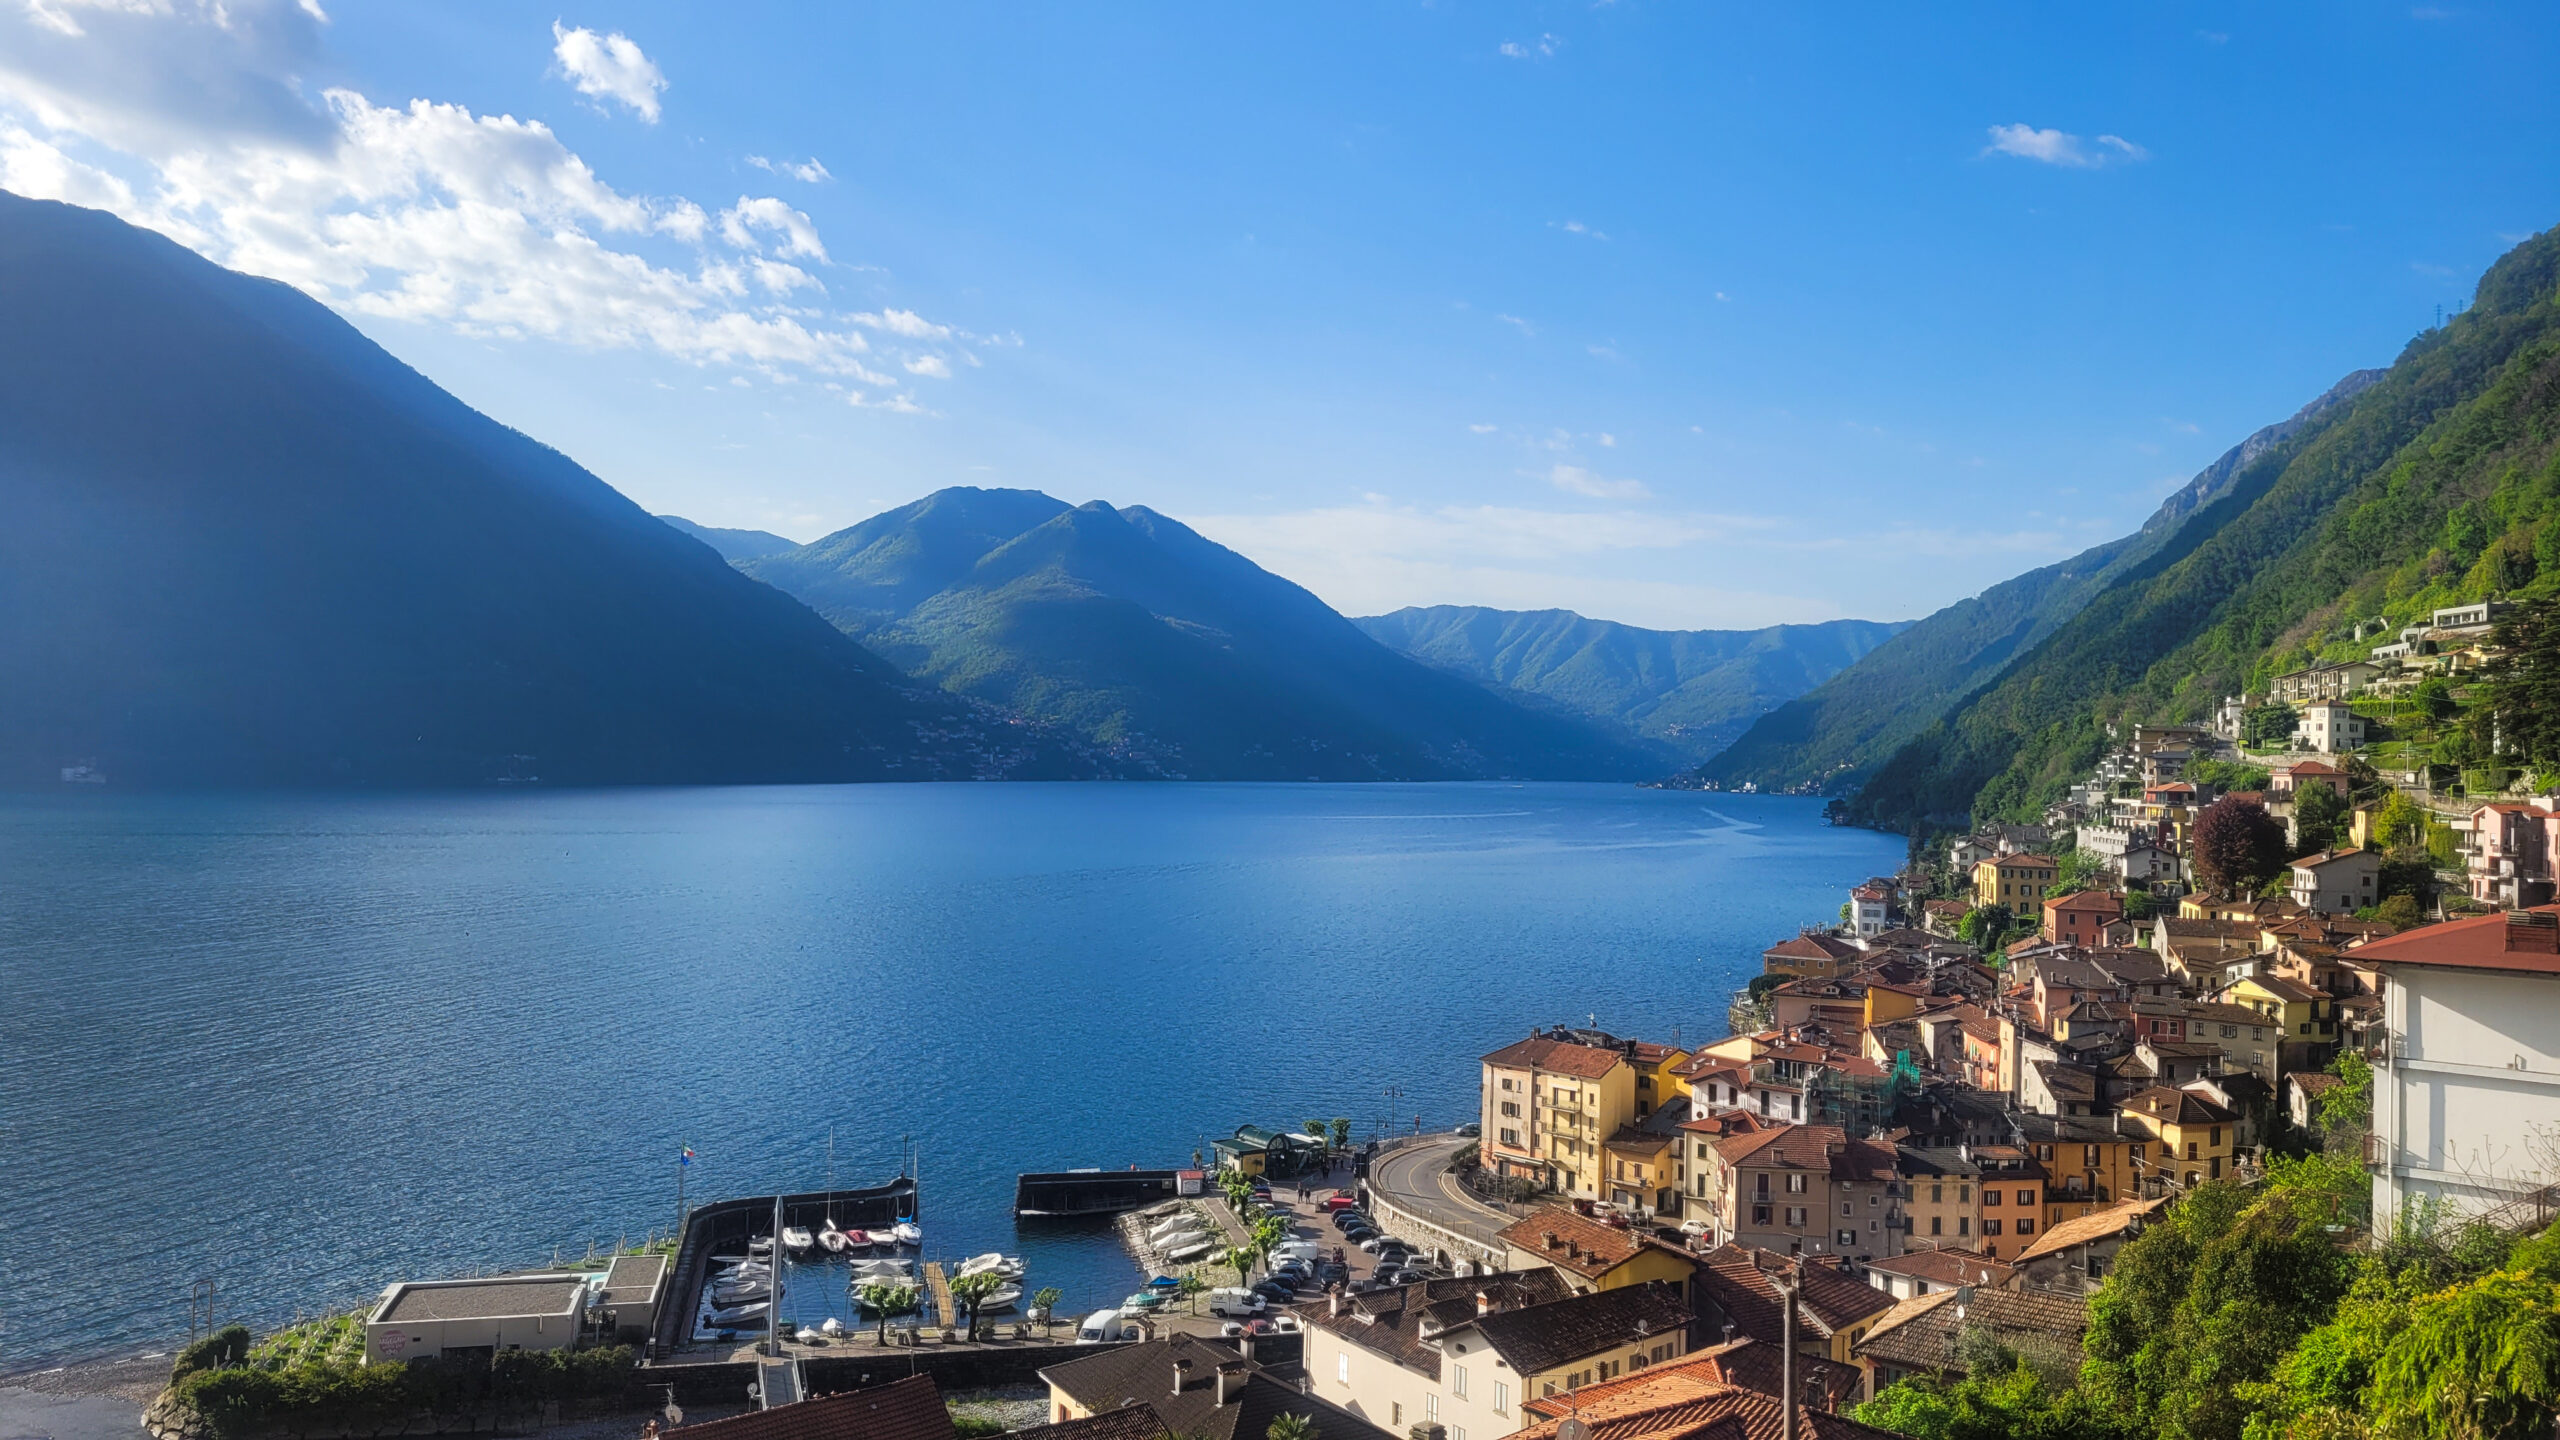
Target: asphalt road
(1416,1178)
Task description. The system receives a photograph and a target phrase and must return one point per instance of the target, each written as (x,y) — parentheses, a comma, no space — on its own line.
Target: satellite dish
(1573,1429)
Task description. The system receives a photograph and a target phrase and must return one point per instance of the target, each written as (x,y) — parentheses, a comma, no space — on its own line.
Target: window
(1937,1193)
(1457,1432)
(1990,1227)
(2026,1227)
(1795,1217)
(1430,1407)
(2216,1137)
(1990,1196)
(1342,1368)
(1795,1184)
(1964,1193)
(1964,1225)
(1458,1381)
(1846,1238)
(1759,1214)
(1511,1108)
(1937,1224)
(1506,1082)
(1874,1200)
(1501,1398)
(1395,1413)
(1848,1209)
(2026,1197)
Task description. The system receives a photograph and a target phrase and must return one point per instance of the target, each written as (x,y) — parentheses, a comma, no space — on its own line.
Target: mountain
(734,545)
(242,545)
(1834,736)
(1692,691)
(1176,653)
(2437,483)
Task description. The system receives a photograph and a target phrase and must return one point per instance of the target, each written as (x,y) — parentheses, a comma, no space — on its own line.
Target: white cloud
(189,117)
(1483,429)
(1574,480)
(609,67)
(809,170)
(932,365)
(1576,227)
(1544,47)
(2056,147)
(1524,326)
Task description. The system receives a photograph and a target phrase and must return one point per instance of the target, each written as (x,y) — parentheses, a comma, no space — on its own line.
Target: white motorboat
(883,1267)
(1192,1253)
(908,1232)
(741,1315)
(797,1237)
(1000,1299)
(832,1328)
(835,1240)
(1008,1266)
(726,1297)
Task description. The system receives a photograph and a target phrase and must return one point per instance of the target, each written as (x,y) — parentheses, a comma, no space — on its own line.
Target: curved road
(1416,1178)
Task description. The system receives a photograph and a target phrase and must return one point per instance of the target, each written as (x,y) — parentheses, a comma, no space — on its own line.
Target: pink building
(2511,857)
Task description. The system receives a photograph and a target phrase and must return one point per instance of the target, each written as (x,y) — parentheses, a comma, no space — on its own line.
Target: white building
(422,1318)
(1870,909)
(2330,727)
(2466,1096)
(2337,882)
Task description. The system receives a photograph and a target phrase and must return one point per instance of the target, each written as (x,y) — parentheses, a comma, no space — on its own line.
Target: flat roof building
(421,1318)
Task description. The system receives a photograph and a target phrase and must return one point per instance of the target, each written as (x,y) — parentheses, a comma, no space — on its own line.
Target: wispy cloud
(1542,48)
(1576,227)
(2057,147)
(608,67)
(808,170)
(1575,480)
(1524,326)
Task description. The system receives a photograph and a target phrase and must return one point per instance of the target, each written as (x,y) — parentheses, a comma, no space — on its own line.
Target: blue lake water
(306,1045)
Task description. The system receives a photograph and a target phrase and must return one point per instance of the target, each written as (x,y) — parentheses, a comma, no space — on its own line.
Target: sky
(1681,314)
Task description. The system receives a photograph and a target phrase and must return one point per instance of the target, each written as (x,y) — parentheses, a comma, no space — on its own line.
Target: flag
(684,1155)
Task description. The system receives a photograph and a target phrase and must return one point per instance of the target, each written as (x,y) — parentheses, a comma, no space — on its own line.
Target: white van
(1231,1302)
(1103,1327)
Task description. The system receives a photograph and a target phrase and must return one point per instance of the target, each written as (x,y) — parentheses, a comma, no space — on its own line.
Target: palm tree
(1045,1300)
(1291,1427)
(1316,1128)
(972,1291)
(1341,1132)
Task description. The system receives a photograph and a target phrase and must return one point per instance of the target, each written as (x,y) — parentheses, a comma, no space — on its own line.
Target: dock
(944,1310)
(1064,1194)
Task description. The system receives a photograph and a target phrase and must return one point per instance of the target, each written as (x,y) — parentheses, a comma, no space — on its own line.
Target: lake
(305,1045)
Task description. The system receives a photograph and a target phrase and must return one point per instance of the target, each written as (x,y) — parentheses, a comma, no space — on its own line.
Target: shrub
(226,1346)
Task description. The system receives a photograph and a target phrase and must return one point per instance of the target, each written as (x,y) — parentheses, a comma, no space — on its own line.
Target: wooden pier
(940,1289)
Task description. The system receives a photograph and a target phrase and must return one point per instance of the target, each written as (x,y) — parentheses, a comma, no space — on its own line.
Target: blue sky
(1679,314)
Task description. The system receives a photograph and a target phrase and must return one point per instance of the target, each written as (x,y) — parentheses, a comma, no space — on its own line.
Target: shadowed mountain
(242,545)
(1690,690)
(1834,736)
(1145,637)
(734,545)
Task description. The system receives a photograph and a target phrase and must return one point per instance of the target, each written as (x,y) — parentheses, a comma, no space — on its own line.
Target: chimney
(1554,1241)
(1333,1302)
(1484,1302)
(2533,932)
(1244,1345)
(1181,1373)
(1230,1374)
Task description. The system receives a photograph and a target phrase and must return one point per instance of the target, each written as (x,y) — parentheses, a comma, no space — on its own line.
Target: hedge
(337,1398)
(226,1346)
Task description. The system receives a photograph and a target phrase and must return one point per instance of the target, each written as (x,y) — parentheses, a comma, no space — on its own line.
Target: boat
(742,1315)
(1193,1253)
(1008,1266)
(908,1232)
(835,1240)
(723,1297)
(831,1327)
(867,1239)
(883,1267)
(1001,1298)
(914,1301)
(796,1237)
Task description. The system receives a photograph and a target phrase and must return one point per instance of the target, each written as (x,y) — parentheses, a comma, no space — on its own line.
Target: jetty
(1060,1194)
(945,1310)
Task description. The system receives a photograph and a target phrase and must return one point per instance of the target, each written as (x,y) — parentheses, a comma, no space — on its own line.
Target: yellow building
(2087,1163)
(2016,881)
(1592,1256)
(1549,1109)
(2303,1017)
(2191,1137)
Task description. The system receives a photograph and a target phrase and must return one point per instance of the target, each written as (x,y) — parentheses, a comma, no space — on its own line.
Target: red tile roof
(2481,943)
(906,1409)
(1562,1057)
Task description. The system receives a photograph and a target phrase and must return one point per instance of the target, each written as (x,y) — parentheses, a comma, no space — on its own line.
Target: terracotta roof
(1812,947)
(2312,1082)
(1740,1281)
(1784,1147)
(2178,1107)
(2022,858)
(2086,900)
(1540,1338)
(1921,1333)
(1746,1363)
(1390,1322)
(1947,1267)
(1680,1407)
(2481,943)
(2097,1225)
(2313,767)
(1568,1241)
(1129,1422)
(904,1409)
(1945,907)
(1562,1057)
(1146,1372)
(2314,862)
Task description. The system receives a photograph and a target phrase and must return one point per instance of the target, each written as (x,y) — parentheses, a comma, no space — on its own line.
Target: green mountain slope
(1175,652)
(241,545)
(1691,690)
(734,545)
(1832,738)
(2439,482)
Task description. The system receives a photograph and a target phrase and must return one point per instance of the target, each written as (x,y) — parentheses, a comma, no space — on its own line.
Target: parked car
(1231,1329)
(1228,1300)
(1695,1228)
(1471,1130)
(1336,1204)
(1375,1243)
(1285,1324)
(1278,1292)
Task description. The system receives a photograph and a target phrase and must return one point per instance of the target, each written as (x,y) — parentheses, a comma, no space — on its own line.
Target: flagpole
(684,1161)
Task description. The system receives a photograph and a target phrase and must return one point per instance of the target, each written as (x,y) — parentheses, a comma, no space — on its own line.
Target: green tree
(2400,912)
(2268,727)
(2229,775)
(1191,1288)
(971,1291)
(1045,1302)
(1316,1128)
(1994,1402)
(2319,818)
(2399,821)
(1291,1427)
(2519,709)
(2480,1359)
(1240,1258)
(2078,870)
(1341,1132)
(1984,927)
(884,1300)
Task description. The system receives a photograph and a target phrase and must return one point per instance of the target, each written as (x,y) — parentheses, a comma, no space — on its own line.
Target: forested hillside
(2437,483)
(1834,737)
(1691,691)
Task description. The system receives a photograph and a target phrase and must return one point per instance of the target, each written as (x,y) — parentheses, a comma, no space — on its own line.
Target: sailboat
(908,1232)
